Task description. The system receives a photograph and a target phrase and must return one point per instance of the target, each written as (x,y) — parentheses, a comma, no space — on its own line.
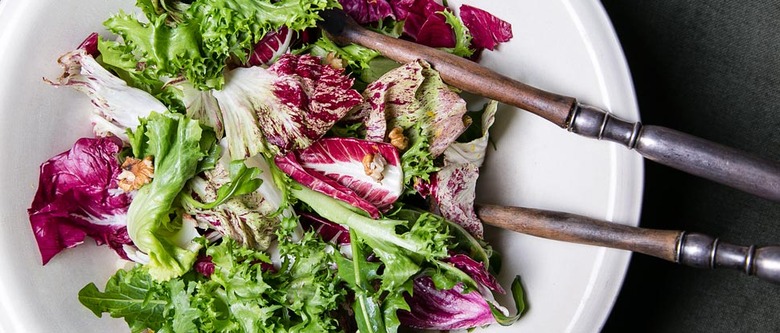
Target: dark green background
(711,69)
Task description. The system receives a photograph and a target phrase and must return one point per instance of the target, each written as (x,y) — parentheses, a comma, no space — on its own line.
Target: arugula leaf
(518,295)
(401,245)
(132,295)
(358,273)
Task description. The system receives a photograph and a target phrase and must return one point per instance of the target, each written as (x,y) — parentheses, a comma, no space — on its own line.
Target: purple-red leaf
(90,45)
(476,270)
(272,46)
(367,11)
(436,32)
(342,159)
(487,31)
(418,13)
(451,309)
(318,182)
(338,167)
(328,230)
(78,195)
(289,105)
(454,187)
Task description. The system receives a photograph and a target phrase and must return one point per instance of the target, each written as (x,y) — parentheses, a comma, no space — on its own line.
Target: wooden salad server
(687,248)
(663,145)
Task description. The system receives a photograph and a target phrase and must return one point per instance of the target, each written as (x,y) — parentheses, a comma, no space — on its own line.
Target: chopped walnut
(334,61)
(135,173)
(374,165)
(397,138)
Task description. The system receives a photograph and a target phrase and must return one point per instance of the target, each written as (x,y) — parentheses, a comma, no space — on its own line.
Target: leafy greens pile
(265,179)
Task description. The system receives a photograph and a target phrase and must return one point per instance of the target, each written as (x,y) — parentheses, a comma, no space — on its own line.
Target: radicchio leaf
(432,308)
(487,31)
(78,195)
(322,184)
(365,11)
(273,45)
(117,105)
(289,106)
(418,13)
(454,187)
(450,309)
(409,96)
(90,45)
(201,105)
(435,32)
(342,159)
(476,270)
(328,231)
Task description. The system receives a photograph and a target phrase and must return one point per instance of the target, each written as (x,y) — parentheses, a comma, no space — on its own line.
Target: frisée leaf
(186,39)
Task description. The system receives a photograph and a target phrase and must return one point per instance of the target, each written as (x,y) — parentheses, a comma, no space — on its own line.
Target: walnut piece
(135,173)
(334,61)
(397,138)
(374,165)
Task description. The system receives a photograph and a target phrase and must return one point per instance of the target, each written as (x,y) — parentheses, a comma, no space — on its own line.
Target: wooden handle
(456,71)
(690,249)
(580,229)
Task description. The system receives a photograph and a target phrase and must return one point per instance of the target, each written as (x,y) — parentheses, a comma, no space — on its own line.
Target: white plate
(561,45)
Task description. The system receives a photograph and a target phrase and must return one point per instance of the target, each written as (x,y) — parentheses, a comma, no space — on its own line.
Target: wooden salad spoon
(686,248)
(663,145)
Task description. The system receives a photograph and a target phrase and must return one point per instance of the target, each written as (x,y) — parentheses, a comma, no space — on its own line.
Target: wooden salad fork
(686,248)
(663,145)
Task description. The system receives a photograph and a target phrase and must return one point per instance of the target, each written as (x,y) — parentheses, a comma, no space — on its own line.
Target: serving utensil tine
(690,249)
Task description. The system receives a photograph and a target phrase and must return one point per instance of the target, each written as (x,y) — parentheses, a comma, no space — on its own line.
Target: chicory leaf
(240,294)
(518,295)
(486,29)
(401,245)
(325,185)
(415,99)
(245,202)
(371,169)
(432,308)
(288,106)
(273,45)
(363,11)
(118,107)
(132,295)
(454,186)
(78,195)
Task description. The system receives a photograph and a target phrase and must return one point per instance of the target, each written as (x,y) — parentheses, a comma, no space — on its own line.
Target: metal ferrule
(702,251)
(593,122)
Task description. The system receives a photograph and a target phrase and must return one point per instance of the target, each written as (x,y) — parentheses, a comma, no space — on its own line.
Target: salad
(260,177)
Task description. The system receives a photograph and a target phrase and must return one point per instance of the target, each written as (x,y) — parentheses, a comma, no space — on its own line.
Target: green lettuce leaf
(175,143)
(183,38)
(240,295)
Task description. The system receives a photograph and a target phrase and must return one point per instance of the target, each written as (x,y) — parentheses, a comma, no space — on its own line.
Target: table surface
(712,69)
